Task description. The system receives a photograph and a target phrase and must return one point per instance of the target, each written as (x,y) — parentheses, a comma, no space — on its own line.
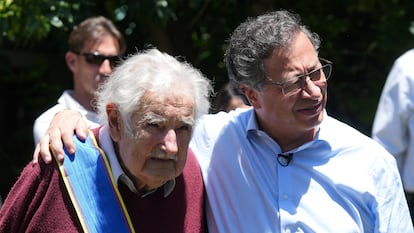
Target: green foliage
(28,21)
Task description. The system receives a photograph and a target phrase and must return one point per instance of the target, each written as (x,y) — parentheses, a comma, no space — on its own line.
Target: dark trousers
(410,200)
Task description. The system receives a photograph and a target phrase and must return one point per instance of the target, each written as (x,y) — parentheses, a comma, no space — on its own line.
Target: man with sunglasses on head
(95,46)
(283,165)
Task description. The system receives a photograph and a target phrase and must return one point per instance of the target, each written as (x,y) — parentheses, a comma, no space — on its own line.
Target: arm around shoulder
(62,127)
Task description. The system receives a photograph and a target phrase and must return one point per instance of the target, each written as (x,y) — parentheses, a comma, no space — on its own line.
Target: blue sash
(92,190)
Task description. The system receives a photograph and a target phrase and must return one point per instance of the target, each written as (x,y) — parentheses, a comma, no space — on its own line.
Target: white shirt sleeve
(391,123)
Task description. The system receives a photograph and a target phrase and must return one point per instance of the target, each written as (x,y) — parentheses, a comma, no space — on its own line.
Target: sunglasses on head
(96,58)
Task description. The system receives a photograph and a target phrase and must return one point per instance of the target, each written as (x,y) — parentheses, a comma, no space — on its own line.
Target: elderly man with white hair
(135,172)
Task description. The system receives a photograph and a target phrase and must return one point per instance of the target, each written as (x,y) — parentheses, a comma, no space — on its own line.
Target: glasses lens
(327,69)
(316,74)
(98,59)
(94,59)
(114,61)
(293,86)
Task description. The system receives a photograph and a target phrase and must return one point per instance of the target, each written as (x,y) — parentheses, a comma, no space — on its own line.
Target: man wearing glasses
(95,46)
(283,165)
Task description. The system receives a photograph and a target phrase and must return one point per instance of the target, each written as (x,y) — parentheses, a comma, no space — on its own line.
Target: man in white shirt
(393,125)
(95,46)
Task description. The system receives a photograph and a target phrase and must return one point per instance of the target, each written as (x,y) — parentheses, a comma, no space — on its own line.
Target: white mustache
(164,156)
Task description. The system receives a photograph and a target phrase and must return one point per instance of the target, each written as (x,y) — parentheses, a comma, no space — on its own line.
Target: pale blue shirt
(342,181)
(393,125)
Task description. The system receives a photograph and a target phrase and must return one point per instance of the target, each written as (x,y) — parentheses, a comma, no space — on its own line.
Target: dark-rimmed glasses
(96,58)
(297,83)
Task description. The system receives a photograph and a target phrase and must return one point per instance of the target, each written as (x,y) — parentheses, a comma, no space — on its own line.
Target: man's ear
(71,61)
(251,95)
(114,122)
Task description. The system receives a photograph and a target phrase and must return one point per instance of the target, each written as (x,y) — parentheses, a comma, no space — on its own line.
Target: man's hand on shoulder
(60,132)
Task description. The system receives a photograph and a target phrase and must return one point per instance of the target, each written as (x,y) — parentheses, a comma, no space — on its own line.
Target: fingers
(59,133)
(69,121)
(81,129)
(55,142)
(42,150)
(62,127)
(36,154)
(74,124)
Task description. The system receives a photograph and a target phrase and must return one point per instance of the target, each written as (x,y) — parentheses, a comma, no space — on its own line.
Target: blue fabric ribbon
(92,189)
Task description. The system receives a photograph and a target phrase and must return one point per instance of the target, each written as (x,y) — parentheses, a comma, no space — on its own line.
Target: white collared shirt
(393,125)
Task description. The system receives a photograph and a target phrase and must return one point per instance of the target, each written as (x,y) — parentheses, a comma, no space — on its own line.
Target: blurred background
(361,37)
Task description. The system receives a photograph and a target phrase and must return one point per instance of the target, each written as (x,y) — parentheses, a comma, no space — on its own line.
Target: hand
(61,129)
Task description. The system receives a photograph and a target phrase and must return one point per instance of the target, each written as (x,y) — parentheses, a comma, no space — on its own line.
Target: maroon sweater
(38,202)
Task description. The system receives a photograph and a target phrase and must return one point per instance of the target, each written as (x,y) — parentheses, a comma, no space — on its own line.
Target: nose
(170,142)
(310,88)
(105,68)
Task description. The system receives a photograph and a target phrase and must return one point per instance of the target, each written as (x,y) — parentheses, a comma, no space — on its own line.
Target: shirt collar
(105,142)
(252,122)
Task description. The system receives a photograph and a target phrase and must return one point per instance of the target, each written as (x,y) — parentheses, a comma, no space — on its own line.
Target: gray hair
(255,39)
(155,72)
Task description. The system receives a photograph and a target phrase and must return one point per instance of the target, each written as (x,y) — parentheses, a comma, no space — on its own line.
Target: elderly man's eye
(185,128)
(153,125)
(292,82)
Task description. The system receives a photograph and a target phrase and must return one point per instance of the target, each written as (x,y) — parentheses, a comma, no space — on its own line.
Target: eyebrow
(188,121)
(157,118)
(295,72)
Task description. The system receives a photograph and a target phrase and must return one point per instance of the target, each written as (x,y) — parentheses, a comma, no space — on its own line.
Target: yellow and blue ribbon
(89,181)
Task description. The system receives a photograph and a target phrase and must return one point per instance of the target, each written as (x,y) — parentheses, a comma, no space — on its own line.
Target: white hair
(153,71)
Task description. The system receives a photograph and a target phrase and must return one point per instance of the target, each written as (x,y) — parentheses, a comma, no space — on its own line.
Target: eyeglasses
(297,83)
(96,58)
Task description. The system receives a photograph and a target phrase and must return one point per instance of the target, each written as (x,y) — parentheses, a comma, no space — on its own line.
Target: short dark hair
(255,39)
(91,30)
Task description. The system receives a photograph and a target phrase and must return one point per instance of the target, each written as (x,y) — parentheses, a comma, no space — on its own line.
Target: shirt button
(285,196)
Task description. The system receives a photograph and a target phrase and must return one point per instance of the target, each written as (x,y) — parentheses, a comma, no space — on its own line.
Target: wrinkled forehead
(171,104)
